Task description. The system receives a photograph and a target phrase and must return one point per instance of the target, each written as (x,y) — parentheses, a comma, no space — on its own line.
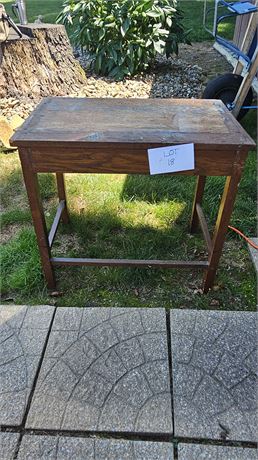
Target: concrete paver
(106,370)
(214,361)
(64,448)
(8,442)
(23,333)
(205,452)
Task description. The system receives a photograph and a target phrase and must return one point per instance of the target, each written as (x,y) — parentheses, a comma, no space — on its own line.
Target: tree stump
(41,64)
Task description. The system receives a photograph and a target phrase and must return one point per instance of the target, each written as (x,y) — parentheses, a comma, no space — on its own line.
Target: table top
(64,121)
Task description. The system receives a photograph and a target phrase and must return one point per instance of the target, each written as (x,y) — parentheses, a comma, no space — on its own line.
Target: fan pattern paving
(93,383)
(105,369)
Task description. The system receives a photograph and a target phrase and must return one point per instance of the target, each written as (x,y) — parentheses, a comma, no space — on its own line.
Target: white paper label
(171,159)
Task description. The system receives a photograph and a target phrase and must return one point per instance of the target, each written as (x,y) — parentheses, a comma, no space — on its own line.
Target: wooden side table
(66,135)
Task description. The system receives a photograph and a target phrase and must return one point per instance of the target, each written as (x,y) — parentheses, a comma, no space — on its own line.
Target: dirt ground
(204,55)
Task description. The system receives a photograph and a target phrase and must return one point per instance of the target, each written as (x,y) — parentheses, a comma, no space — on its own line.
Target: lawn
(129,217)
(48,9)
(193,11)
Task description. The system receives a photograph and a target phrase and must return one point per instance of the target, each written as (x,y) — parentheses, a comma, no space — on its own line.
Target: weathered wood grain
(63,122)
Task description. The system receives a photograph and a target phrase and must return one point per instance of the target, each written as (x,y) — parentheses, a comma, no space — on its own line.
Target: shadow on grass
(97,236)
(155,189)
(178,189)
(181,189)
(105,235)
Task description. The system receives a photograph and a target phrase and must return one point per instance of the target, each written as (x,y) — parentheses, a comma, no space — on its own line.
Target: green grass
(193,10)
(49,9)
(126,216)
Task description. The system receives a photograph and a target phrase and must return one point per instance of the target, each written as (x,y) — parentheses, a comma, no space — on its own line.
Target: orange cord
(245,237)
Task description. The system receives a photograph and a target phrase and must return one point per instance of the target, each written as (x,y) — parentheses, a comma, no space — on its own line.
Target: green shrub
(124,35)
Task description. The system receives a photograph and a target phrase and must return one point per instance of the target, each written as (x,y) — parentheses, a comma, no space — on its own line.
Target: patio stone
(8,442)
(23,333)
(64,448)
(214,361)
(109,373)
(204,452)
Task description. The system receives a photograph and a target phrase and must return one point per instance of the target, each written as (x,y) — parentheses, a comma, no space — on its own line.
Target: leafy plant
(124,36)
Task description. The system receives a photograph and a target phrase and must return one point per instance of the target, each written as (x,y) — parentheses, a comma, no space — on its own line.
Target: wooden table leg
(32,187)
(62,195)
(200,184)
(224,214)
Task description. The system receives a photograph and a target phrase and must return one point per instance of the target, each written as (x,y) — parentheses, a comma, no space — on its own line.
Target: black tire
(225,88)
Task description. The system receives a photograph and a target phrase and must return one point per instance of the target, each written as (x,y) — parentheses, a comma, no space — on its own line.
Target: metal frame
(241,53)
(217,20)
(244,61)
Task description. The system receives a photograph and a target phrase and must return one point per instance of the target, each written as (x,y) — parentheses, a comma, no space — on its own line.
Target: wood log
(41,64)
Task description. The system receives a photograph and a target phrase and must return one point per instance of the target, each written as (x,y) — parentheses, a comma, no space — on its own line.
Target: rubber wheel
(225,88)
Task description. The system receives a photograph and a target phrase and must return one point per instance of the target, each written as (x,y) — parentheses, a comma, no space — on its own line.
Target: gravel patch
(178,77)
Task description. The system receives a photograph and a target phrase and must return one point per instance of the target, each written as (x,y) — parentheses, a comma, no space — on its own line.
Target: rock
(6,132)
(214,303)
(16,121)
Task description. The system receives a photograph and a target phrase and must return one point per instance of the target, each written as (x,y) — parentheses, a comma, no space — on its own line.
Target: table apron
(127,161)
